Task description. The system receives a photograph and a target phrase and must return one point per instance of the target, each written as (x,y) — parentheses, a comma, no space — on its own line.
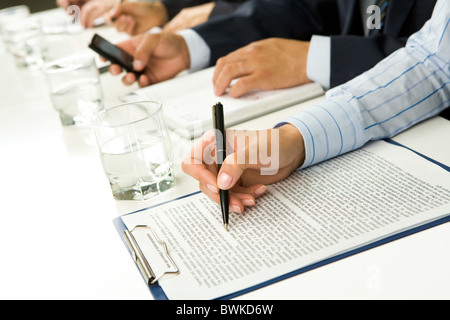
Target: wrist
(294,145)
(198,50)
(184,51)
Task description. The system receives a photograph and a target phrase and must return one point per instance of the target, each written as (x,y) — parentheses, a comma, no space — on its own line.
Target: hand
(257,158)
(189,17)
(268,64)
(66,3)
(94,9)
(138,17)
(161,56)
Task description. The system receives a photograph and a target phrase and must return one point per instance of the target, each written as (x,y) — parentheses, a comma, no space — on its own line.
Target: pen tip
(226,226)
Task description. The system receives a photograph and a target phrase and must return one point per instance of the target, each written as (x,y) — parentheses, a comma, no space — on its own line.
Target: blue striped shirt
(409,86)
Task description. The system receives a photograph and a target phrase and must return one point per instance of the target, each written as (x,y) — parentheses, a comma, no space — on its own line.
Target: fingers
(89,13)
(130,46)
(237,65)
(238,201)
(226,72)
(62,3)
(254,191)
(204,175)
(124,17)
(144,81)
(244,85)
(115,12)
(123,8)
(240,198)
(115,70)
(144,50)
(129,79)
(200,163)
(233,167)
(125,23)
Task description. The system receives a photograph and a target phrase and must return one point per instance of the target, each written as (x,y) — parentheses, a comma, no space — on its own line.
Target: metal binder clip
(140,259)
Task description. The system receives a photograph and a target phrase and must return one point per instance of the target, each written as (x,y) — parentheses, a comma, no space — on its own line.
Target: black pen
(219,126)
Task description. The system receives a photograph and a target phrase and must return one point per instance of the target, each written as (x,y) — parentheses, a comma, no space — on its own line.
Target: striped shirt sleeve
(409,86)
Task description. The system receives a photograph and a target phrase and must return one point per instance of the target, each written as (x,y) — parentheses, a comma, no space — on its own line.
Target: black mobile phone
(113,53)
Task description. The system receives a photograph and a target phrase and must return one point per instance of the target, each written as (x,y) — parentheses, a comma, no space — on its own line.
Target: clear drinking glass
(135,150)
(25,40)
(75,89)
(12,13)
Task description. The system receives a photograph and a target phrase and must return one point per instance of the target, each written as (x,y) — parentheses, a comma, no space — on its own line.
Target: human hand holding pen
(138,17)
(66,3)
(93,10)
(90,9)
(244,173)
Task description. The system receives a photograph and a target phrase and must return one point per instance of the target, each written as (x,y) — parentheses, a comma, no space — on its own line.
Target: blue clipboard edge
(443,166)
(342,256)
(158,293)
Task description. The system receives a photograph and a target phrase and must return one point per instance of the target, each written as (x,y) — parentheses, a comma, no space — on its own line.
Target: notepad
(187,101)
(327,212)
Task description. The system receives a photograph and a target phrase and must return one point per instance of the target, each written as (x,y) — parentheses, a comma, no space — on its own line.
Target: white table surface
(58,241)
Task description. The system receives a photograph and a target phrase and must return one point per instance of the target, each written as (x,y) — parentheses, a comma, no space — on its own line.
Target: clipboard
(151,279)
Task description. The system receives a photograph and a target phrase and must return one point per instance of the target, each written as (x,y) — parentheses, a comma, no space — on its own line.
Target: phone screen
(112,52)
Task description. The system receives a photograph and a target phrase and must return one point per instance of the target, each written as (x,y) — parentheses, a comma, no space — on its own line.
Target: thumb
(255,150)
(229,174)
(144,50)
(233,167)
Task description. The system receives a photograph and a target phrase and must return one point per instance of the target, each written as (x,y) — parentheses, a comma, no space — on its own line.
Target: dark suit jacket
(351,52)
(173,7)
(350,47)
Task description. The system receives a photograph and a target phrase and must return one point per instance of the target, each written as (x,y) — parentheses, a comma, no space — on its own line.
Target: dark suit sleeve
(260,19)
(173,7)
(225,7)
(353,55)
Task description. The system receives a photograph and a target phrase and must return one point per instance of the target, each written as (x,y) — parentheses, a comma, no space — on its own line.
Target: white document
(318,213)
(188,100)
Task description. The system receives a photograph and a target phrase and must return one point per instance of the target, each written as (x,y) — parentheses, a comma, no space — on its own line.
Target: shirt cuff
(329,129)
(319,60)
(199,51)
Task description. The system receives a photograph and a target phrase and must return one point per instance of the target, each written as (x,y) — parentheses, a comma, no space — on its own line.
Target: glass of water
(75,89)
(135,150)
(25,40)
(10,14)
